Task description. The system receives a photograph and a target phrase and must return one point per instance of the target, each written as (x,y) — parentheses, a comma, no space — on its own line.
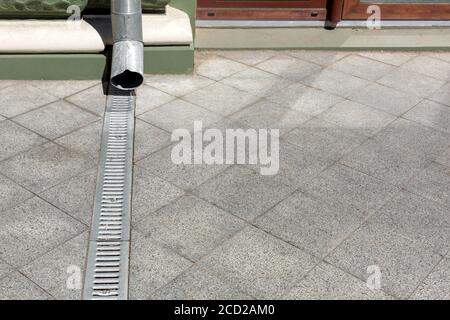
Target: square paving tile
(198,284)
(86,141)
(20,98)
(444,158)
(92,99)
(217,68)
(324,140)
(190,226)
(75,196)
(343,186)
(259,264)
(56,119)
(221,99)
(326,282)
(177,85)
(411,82)
(335,82)
(33,228)
(148,139)
(185,176)
(432,67)
(358,117)
(64,264)
(304,99)
(15,139)
(248,57)
(152,266)
(179,114)
(437,285)
(393,58)
(431,114)
(403,263)
(289,67)
(11,194)
(5,269)
(310,223)
(44,166)
(443,55)
(385,99)
(442,95)
(148,98)
(269,115)
(150,193)
(63,89)
(257,82)
(323,58)
(17,287)
(418,219)
(243,192)
(362,67)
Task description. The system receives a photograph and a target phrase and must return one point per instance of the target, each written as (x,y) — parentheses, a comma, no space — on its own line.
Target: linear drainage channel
(108,254)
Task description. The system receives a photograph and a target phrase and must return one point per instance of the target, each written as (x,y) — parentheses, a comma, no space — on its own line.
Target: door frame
(355,10)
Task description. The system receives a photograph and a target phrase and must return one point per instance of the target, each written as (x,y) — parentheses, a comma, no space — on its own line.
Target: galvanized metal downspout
(107,268)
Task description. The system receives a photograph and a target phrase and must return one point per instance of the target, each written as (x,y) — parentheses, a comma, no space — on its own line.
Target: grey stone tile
(185,176)
(33,228)
(178,84)
(190,226)
(416,218)
(221,98)
(437,285)
(357,117)
(304,99)
(403,263)
(414,137)
(217,68)
(15,139)
(248,57)
(244,192)
(335,82)
(152,266)
(257,82)
(2,118)
(11,194)
(86,141)
(324,140)
(323,58)
(148,98)
(150,193)
(269,115)
(343,186)
(17,287)
(310,223)
(289,67)
(326,282)
(444,158)
(432,183)
(198,284)
(411,82)
(63,89)
(179,114)
(148,139)
(5,269)
(393,58)
(20,98)
(431,114)
(75,196)
(92,99)
(44,166)
(387,162)
(442,95)
(56,119)
(362,67)
(443,55)
(259,264)
(385,99)
(428,66)
(7,83)
(54,270)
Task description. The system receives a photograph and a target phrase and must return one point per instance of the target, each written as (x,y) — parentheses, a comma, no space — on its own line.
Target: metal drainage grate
(108,255)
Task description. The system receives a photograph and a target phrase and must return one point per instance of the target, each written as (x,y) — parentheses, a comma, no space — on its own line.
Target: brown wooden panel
(260,14)
(356,10)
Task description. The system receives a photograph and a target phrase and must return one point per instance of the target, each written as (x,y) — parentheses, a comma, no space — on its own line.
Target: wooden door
(261,10)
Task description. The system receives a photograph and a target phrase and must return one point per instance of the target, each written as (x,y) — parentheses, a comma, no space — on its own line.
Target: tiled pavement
(364,180)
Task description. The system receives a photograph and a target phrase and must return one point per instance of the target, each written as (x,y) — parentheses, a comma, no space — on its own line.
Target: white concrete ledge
(89,35)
